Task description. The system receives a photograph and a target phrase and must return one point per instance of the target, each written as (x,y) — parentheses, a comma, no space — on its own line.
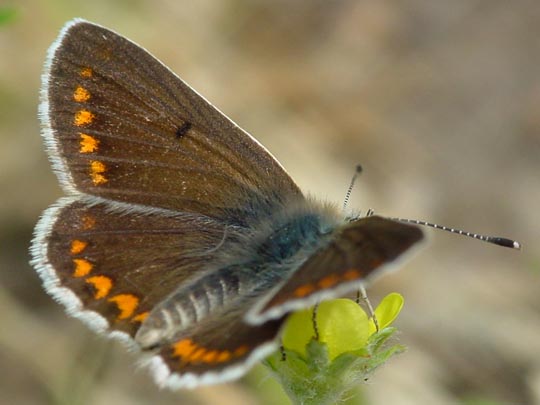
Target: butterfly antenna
(496,240)
(357,171)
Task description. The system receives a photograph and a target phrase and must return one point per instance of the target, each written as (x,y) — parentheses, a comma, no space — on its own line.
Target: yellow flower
(341,324)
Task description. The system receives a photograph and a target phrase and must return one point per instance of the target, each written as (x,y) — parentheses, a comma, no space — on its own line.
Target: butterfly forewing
(121,125)
(357,252)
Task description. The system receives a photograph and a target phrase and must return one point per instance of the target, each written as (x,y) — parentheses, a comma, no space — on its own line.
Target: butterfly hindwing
(221,348)
(119,264)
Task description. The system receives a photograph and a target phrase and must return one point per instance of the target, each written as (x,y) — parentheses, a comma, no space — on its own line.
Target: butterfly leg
(282,351)
(314,320)
(361,294)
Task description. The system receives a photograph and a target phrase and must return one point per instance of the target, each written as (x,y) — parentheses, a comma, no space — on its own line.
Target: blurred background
(438,100)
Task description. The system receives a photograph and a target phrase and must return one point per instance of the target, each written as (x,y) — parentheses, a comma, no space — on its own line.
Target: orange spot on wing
(97,169)
(88,222)
(88,143)
(83,117)
(210,357)
(86,72)
(81,95)
(102,285)
(240,351)
(77,246)
(304,290)
(223,356)
(140,317)
(183,348)
(197,355)
(82,267)
(351,275)
(328,281)
(126,303)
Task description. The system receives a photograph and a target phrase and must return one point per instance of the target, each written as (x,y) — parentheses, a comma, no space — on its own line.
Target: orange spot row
(190,352)
(83,117)
(82,266)
(126,303)
(88,143)
(81,95)
(326,282)
(97,169)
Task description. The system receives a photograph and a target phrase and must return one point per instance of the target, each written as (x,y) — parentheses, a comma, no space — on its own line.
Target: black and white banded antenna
(361,294)
(357,171)
(496,240)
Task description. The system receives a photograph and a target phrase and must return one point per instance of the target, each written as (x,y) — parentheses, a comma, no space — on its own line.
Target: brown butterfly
(180,233)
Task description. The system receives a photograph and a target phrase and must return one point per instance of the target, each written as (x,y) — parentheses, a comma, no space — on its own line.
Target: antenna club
(358,170)
(513,244)
(496,240)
